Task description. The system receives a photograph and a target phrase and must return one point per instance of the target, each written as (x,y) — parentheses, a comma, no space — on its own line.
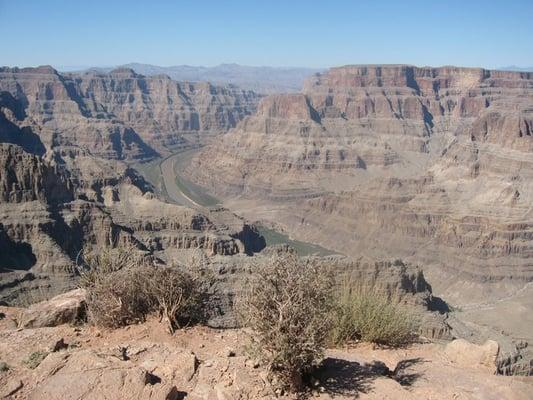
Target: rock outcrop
(48,219)
(63,309)
(67,142)
(470,355)
(144,362)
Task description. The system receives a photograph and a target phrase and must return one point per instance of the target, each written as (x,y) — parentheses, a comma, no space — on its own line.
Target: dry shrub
(288,307)
(118,300)
(366,314)
(123,287)
(113,280)
(176,296)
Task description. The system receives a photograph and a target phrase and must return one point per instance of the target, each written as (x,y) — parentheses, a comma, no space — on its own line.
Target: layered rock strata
(66,145)
(46,222)
(433,165)
(119,115)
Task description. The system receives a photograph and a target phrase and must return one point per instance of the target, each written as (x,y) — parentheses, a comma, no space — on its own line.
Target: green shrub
(368,315)
(4,366)
(35,358)
(288,305)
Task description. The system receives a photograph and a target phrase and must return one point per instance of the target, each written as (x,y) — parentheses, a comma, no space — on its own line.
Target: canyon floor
(204,363)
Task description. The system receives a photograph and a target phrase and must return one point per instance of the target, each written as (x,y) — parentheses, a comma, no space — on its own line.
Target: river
(164,175)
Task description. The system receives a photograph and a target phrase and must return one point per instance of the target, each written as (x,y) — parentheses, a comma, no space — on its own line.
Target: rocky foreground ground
(143,361)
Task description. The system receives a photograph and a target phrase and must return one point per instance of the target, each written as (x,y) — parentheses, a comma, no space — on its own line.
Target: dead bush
(123,287)
(287,305)
(97,265)
(367,314)
(118,300)
(175,295)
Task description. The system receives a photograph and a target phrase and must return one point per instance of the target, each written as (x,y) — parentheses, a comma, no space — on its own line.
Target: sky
(489,33)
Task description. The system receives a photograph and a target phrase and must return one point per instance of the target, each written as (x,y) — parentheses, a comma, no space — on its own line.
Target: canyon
(430,165)
(67,184)
(415,180)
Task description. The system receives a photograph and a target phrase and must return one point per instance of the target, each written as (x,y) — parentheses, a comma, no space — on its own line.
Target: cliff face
(77,134)
(27,178)
(118,115)
(47,219)
(434,165)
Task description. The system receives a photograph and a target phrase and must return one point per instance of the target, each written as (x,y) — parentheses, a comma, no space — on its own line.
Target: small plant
(118,301)
(35,359)
(4,367)
(175,295)
(288,307)
(123,287)
(368,315)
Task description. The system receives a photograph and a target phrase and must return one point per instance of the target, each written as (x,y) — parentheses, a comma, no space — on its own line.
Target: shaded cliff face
(434,165)
(118,115)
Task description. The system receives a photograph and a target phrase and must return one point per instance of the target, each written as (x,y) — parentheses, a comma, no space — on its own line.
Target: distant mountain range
(515,68)
(260,79)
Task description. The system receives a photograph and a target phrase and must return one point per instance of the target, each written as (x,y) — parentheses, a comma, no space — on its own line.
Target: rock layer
(66,145)
(433,165)
(119,115)
(47,220)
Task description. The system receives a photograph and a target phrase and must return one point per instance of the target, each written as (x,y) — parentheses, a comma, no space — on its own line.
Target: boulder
(63,309)
(470,355)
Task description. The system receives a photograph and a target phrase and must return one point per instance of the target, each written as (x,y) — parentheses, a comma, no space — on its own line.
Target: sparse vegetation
(123,287)
(35,358)
(369,315)
(118,300)
(175,295)
(288,307)
(4,367)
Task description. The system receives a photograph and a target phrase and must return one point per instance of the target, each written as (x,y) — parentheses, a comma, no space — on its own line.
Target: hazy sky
(490,33)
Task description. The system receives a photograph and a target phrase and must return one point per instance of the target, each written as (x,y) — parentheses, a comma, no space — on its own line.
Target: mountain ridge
(262,79)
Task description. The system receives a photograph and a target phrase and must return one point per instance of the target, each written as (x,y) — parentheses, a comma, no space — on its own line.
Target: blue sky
(490,33)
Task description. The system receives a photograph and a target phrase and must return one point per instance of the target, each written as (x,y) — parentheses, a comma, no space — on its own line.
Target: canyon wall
(119,115)
(431,165)
(66,181)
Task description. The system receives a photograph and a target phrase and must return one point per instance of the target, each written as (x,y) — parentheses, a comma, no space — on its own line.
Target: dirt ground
(224,371)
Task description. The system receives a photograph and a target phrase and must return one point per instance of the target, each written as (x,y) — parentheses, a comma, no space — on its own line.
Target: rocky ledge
(143,361)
